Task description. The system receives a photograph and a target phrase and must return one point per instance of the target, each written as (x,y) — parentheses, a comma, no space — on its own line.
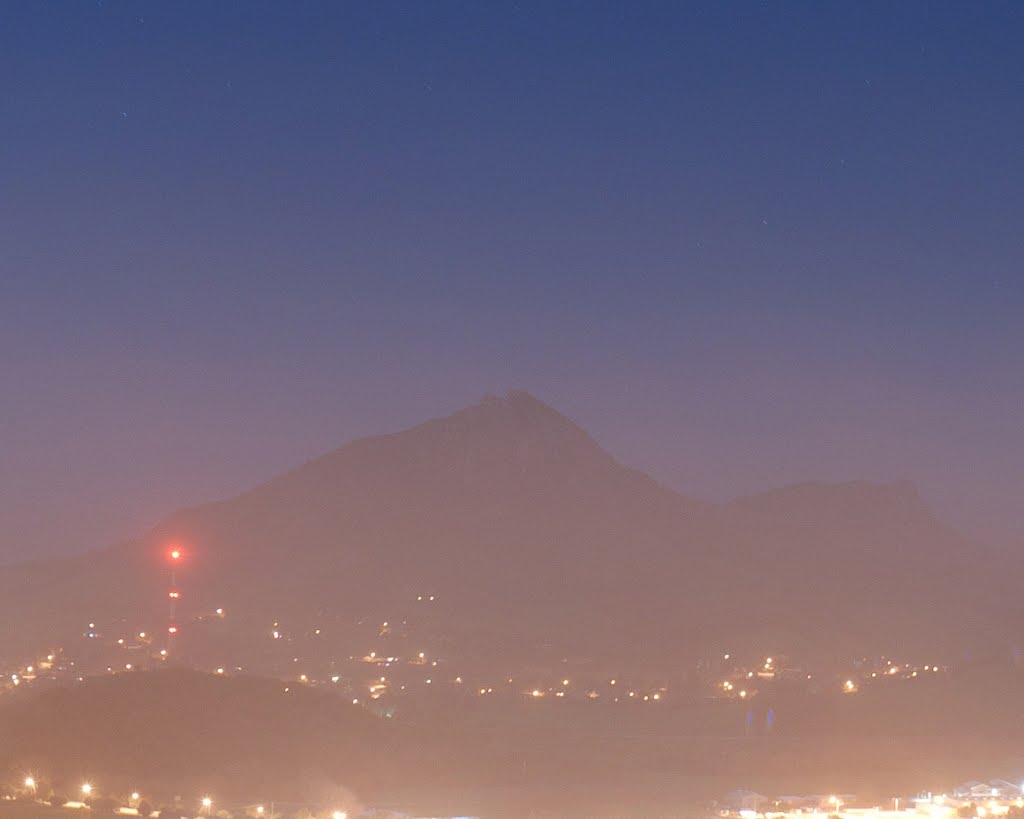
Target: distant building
(745,800)
(994,789)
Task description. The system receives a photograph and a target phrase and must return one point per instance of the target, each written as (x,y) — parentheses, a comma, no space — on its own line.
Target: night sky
(744,245)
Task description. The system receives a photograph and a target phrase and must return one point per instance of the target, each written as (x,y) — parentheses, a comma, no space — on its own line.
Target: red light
(175,554)
(172,629)
(173,595)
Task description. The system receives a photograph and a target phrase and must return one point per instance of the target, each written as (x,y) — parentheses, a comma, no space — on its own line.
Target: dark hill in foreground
(185,733)
(246,740)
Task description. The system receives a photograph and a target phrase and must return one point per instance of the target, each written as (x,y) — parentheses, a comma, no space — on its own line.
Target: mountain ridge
(523,405)
(514,509)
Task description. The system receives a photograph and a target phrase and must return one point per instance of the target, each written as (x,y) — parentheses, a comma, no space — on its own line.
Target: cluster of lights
(905,671)
(206,803)
(937,806)
(538,693)
(768,668)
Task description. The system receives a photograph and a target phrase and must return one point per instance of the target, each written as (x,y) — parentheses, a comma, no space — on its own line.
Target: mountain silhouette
(521,524)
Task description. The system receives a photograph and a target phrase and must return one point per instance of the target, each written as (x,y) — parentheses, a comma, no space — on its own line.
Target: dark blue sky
(745,244)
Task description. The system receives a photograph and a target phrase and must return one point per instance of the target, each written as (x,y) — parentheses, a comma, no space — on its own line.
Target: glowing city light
(30,782)
(86,788)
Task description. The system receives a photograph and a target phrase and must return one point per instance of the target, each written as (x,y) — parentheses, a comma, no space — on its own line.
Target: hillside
(244,739)
(525,528)
(247,740)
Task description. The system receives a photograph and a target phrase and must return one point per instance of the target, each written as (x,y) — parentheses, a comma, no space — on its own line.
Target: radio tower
(172,600)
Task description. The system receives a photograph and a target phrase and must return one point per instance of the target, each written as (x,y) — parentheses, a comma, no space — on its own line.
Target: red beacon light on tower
(174,555)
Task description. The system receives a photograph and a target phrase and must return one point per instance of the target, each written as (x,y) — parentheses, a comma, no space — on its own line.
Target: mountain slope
(523,525)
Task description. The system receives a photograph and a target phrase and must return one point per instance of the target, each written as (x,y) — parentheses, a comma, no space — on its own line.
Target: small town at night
(511,409)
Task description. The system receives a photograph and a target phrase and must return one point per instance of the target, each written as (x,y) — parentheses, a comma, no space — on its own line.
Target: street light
(86,789)
(30,783)
(339,814)
(207,802)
